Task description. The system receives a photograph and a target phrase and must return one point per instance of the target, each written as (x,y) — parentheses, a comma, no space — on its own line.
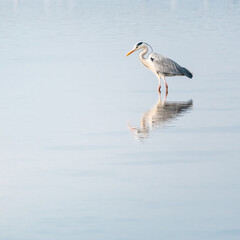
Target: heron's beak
(130,52)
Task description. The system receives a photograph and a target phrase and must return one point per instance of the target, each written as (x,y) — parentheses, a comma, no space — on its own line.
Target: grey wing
(167,67)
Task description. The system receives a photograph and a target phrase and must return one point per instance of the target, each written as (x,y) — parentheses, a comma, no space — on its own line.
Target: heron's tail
(187,72)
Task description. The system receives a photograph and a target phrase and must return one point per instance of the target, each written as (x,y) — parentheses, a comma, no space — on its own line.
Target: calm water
(89,151)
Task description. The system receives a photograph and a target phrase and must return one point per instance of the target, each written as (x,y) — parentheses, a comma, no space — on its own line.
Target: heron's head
(137,46)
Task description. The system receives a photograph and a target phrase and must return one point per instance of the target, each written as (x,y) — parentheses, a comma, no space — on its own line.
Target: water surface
(72,166)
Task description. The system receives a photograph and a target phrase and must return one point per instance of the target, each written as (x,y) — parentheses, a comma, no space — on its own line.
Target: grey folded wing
(167,67)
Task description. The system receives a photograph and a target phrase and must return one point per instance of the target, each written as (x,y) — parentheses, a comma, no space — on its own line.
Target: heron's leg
(165,97)
(159,87)
(165,83)
(159,96)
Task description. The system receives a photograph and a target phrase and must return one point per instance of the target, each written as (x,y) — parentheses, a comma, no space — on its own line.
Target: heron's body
(160,65)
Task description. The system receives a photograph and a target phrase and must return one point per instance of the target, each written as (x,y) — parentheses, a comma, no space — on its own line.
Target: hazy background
(70,168)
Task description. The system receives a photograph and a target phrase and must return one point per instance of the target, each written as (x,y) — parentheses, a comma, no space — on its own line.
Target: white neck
(142,54)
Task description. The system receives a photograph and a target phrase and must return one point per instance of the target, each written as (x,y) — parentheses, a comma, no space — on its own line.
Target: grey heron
(160,65)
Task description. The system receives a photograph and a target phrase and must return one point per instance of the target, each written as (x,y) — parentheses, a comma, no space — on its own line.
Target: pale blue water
(71,168)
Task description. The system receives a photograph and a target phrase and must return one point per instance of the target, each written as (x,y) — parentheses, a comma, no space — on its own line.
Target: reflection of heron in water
(161,113)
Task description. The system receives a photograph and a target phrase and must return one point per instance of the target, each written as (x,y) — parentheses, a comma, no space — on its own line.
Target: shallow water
(88,151)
